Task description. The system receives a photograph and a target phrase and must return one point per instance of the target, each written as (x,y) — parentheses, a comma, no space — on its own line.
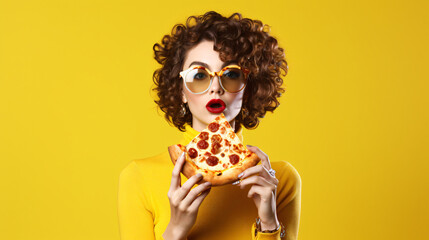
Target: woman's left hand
(263,189)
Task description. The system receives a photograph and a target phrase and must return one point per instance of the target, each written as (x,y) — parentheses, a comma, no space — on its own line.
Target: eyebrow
(207,66)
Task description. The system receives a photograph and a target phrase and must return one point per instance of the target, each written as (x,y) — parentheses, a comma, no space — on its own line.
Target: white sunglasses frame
(213,74)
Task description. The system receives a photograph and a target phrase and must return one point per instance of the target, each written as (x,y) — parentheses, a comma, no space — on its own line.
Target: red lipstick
(215,106)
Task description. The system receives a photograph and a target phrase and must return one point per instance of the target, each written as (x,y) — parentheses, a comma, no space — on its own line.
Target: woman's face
(203,54)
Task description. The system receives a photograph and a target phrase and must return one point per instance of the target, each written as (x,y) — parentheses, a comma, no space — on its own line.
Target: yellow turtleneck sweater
(226,213)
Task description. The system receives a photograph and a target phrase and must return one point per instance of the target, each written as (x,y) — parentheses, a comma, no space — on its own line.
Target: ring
(272,172)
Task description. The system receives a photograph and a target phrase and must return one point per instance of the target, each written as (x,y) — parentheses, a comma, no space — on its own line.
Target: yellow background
(75,109)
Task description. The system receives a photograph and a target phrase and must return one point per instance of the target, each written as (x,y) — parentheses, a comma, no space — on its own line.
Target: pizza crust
(226,176)
(188,170)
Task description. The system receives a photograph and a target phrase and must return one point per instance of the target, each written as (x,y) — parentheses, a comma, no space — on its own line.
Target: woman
(152,201)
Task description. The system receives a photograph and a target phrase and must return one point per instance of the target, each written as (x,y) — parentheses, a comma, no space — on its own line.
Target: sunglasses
(198,80)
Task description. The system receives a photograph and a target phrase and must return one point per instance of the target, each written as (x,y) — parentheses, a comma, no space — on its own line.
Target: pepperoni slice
(202,144)
(192,153)
(234,159)
(216,138)
(215,148)
(204,136)
(213,126)
(212,161)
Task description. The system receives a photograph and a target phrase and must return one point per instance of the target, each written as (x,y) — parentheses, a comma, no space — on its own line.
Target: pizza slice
(217,153)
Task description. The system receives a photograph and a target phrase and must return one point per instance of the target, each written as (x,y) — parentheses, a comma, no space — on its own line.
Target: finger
(197,202)
(262,192)
(193,194)
(264,157)
(257,180)
(181,193)
(175,178)
(258,169)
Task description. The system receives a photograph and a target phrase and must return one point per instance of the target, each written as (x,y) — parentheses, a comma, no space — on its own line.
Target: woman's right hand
(184,202)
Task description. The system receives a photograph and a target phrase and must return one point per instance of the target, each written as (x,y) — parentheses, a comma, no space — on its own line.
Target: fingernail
(240,175)
(199,175)
(183,154)
(236,182)
(249,145)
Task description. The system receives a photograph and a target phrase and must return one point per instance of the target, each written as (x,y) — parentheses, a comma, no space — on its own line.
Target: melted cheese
(235,147)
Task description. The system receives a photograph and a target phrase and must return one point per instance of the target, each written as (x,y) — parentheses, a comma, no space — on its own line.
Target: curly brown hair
(243,40)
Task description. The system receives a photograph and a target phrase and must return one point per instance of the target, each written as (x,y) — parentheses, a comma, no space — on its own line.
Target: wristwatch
(259,229)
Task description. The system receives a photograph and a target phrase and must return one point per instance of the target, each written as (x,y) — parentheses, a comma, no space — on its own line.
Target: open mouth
(215,106)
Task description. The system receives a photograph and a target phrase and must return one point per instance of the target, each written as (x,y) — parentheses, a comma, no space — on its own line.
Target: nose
(216,87)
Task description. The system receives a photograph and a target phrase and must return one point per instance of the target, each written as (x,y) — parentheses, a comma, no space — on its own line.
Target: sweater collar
(191,133)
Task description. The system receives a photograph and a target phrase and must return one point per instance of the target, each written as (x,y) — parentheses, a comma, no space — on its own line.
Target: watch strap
(258,229)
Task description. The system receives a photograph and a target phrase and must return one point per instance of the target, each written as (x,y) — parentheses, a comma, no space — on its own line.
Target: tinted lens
(233,79)
(197,80)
